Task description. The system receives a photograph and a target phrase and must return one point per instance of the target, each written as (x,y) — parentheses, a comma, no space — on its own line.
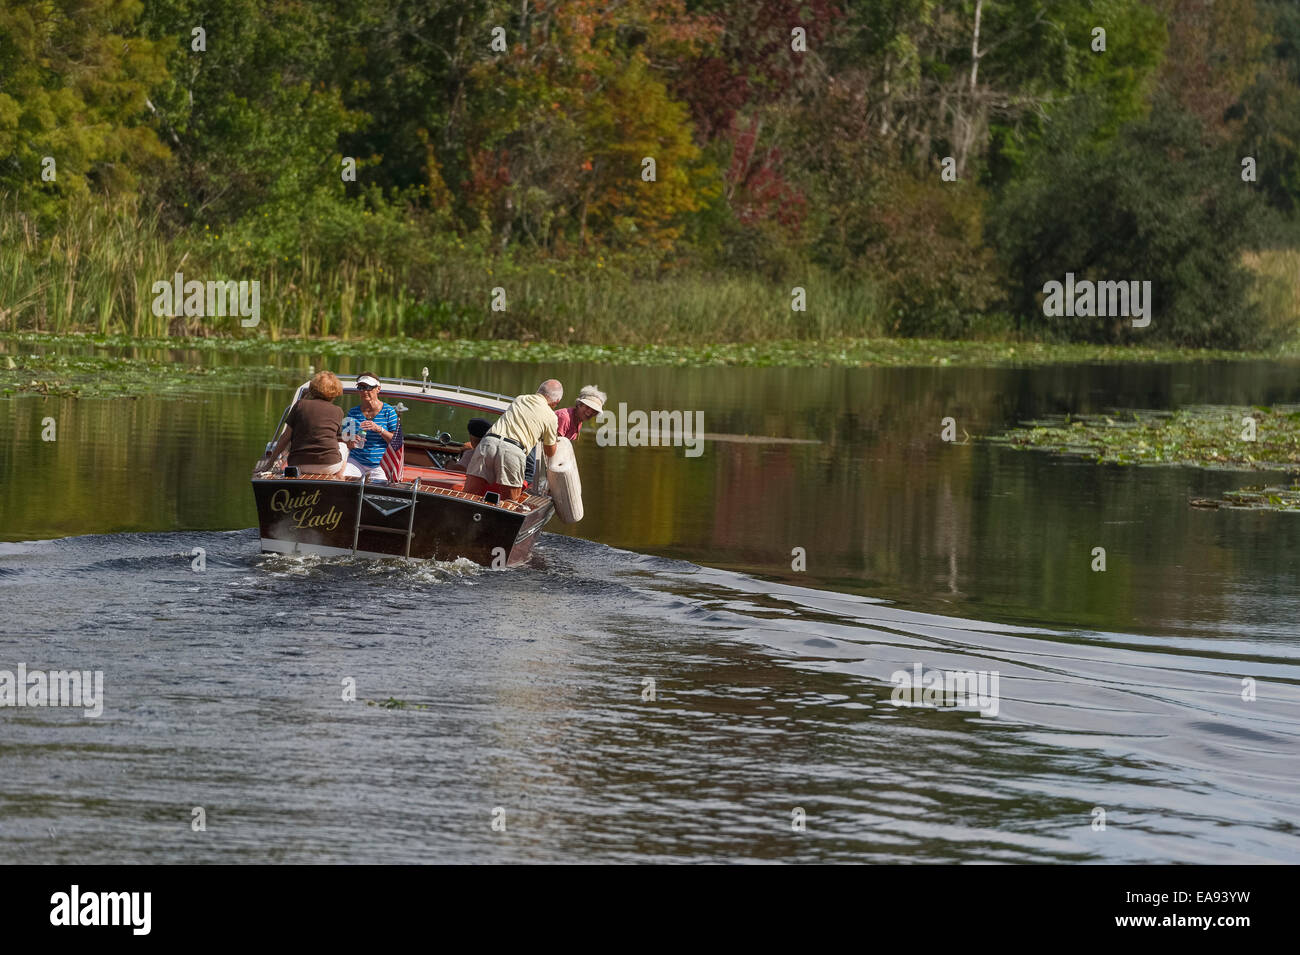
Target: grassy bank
(1277,286)
(96,274)
(109,376)
(391,279)
(96,366)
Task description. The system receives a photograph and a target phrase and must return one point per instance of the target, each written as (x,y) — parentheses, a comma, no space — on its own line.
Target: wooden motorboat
(424,513)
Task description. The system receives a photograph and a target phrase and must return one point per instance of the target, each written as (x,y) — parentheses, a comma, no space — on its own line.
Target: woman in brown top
(313,430)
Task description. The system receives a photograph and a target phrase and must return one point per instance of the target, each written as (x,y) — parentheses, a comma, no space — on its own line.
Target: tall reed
(96,272)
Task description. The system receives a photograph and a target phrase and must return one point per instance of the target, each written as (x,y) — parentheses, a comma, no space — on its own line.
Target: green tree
(1270,109)
(74,84)
(1160,204)
(555,130)
(255,117)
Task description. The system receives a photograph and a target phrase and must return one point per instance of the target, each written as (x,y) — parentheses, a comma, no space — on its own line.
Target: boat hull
(332,518)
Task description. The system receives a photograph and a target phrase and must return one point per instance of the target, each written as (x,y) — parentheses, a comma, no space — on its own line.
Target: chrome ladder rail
(357,527)
(410,520)
(361,500)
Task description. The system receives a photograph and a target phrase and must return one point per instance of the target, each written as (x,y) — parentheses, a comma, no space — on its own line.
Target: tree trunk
(970,120)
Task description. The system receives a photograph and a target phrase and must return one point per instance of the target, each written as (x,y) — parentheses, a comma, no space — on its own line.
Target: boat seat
(453,480)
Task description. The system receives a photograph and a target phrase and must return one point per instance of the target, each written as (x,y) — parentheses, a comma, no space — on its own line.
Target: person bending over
(501,456)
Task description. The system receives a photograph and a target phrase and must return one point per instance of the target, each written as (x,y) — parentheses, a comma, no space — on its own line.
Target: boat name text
(301,509)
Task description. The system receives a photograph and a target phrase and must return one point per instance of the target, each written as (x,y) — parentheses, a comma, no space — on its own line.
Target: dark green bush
(1158,203)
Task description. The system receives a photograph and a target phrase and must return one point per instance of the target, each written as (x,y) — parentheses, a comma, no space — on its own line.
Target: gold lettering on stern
(283,502)
(305,518)
(301,509)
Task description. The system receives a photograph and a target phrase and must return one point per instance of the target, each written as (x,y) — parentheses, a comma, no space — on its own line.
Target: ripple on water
(620,707)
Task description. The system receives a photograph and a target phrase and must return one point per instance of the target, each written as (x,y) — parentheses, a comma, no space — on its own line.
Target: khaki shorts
(497,462)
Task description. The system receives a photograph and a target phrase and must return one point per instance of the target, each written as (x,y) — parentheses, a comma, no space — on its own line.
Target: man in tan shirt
(501,456)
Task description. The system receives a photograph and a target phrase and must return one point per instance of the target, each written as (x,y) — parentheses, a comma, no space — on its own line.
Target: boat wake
(647,707)
(393,569)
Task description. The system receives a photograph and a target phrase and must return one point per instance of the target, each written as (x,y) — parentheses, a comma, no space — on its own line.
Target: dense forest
(653,170)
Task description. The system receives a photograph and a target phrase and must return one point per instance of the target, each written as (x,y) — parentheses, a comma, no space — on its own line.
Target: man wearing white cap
(375,424)
(591,402)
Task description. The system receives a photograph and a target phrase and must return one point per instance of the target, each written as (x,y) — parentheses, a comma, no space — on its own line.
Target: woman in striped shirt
(375,424)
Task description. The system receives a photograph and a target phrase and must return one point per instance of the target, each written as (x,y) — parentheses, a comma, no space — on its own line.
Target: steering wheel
(440,458)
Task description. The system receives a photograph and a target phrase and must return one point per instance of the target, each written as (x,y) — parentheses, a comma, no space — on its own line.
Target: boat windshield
(429,418)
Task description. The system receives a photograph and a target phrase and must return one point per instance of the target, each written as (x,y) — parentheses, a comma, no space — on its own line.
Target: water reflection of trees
(885,508)
(881,505)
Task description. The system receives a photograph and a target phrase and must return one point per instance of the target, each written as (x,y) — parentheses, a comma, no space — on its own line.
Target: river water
(699,671)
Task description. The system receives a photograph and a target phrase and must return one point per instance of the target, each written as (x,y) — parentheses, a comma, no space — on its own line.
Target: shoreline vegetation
(1218,437)
(1266,498)
(654,172)
(1241,438)
(93,366)
(95,275)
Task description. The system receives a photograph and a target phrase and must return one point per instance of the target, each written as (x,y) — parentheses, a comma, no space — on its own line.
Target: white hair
(551,390)
(591,391)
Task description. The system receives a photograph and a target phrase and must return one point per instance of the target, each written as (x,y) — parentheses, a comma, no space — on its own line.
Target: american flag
(394,456)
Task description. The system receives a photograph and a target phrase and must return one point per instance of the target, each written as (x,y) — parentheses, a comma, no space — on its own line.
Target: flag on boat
(394,456)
